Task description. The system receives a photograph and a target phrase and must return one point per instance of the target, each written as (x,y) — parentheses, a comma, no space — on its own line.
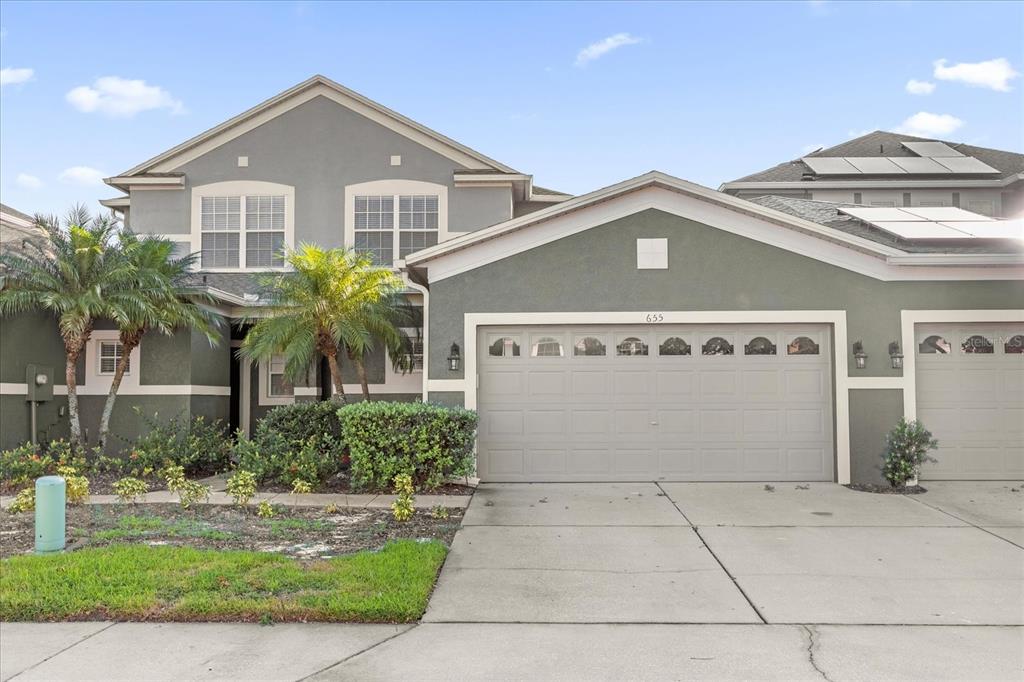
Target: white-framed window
(277,384)
(109,354)
(415,336)
(242,225)
(390,219)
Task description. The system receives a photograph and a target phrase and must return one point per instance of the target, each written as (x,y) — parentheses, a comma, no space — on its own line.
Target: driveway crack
(812,643)
(359,653)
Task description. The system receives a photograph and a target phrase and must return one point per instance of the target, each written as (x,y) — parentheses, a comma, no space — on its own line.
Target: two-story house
(650,330)
(891,169)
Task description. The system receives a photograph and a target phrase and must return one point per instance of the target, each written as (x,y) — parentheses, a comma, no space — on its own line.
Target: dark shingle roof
(827,213)
(235,283)
(881,143)
(16,213)
(537,189)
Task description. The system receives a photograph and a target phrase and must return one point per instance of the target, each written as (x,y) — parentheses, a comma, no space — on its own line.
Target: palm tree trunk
(361,372)
(129,340)
(339,390)
(72,349)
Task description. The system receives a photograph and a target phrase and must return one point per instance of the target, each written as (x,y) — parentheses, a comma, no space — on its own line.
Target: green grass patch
(131,527)
(134,582)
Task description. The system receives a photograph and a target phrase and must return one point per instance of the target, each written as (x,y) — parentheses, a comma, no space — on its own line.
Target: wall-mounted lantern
(860,358)
(895,355)
(454,358)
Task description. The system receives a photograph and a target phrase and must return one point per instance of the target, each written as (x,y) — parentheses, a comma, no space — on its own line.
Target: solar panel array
(936,222)
(933,158)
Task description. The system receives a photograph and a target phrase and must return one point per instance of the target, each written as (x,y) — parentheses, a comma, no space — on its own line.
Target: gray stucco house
(651,330)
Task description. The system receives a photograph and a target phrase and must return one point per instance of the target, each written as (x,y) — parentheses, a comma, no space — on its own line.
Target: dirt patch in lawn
(886,489)
(303,532)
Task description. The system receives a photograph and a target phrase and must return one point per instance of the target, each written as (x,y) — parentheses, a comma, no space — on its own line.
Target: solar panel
(944,214)
(875,165)
(874,214)
(922,230)
(919,165)
(966,164)
(830,165)
(992,229)
(931,149)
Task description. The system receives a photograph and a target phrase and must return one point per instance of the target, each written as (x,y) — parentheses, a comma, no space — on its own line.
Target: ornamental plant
(265,510)
(402,506)
(76,489)
(24,501)
(189,492)
(241,486)
(906,449)
(130,489)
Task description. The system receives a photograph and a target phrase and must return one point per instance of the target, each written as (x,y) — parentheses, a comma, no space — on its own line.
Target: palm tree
(77,274)
(331,300)
(170,305)
(383,320)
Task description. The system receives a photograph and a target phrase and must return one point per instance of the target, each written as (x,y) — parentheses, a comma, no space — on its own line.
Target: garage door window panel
(759,345)
(1014,345)
(503,347)
(546,347)
(803,345)
(977,344)
(717,346)
(589,346)
(934,344)
(675,346)
(632,346)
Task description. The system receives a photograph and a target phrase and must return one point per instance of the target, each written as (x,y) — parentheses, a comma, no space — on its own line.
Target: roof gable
(666,193)
(303,92)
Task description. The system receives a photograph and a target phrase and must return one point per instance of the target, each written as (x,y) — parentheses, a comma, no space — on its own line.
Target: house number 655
(655,317)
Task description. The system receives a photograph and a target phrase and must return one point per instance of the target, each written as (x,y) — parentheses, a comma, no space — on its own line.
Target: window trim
(99,383)
(395,189)
(265,398)
(243,189)
(99,358)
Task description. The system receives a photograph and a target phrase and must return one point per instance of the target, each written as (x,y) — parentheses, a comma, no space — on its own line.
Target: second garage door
(602,403)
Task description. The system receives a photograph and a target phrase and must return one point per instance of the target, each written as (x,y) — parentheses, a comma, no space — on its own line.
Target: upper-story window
(243,225)
(378,231)
(392,218)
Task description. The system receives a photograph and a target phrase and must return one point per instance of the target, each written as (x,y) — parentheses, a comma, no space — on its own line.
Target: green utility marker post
(50,521)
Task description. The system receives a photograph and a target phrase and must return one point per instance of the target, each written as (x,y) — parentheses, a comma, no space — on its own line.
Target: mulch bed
(886,489)
(304,532)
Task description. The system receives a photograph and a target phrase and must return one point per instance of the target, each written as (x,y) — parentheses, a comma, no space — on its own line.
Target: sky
(580,95)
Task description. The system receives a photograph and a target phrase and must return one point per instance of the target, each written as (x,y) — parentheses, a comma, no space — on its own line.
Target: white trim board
(835,318)
(672,195)
(144,389)
(908,321)
(317,86)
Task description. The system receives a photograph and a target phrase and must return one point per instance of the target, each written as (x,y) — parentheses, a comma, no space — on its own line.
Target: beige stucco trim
(145,389)
(908,321)
(835,318)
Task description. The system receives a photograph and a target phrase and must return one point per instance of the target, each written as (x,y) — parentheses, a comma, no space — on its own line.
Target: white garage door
(676,403)
(970,395)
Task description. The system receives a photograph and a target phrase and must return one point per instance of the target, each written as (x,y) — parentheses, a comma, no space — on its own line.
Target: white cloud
(925,124)
(120,97)
(82,175)
(9,76)
(994,74)
(915,87)
(28,181)
(603,47)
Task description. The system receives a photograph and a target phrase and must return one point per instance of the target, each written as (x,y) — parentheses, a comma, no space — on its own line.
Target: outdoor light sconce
(454,358)
(895,355)
(860,358)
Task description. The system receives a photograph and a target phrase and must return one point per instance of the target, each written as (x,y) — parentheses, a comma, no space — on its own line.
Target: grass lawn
(139,582)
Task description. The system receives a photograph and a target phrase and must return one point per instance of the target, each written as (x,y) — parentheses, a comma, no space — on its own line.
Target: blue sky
(580,95)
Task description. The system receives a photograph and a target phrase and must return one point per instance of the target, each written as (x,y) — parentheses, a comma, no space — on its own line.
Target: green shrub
(76,486)
(402,506)
(241,486)
(906,449)
(129,489)
(24,501)
(430,443)
(28,462)
(294,442)
(199,446)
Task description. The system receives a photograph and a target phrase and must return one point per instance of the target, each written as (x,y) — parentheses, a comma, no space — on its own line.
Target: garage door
(675,403)
(970,394)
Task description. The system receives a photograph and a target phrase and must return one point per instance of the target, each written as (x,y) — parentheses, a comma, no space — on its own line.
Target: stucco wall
(873,413)
(319,147)
(709,269)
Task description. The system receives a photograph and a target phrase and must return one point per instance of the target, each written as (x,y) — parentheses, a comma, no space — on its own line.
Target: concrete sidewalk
(505,651)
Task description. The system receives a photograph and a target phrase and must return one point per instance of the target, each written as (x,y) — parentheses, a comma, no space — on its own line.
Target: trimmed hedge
(430,443)
(300,441)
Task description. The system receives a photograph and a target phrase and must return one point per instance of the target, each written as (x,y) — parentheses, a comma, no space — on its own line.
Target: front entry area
(655,402)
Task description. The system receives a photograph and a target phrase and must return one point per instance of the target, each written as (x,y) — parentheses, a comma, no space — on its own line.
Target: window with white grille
(415,348)
(264,228)
(278,385)
(226,245)
(378,230)
(220,224)
(110,354)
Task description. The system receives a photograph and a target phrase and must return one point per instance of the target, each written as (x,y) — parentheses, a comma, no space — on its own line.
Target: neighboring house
(17,229)
(891,169)
(651,330)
